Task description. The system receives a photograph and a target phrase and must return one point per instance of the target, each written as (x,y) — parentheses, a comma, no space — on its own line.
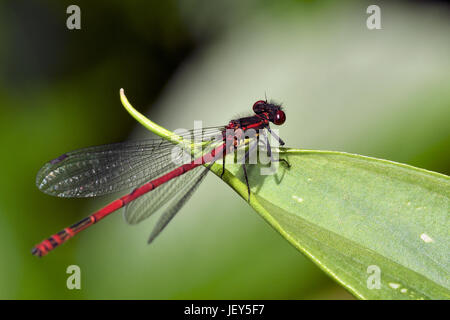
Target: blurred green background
(381,93)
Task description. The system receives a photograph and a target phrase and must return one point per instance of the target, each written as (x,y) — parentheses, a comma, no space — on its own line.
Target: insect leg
(269,150)
(275,136)
(246,156)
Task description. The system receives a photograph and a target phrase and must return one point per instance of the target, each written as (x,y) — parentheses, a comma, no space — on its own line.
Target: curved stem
(230,179)
(147,123)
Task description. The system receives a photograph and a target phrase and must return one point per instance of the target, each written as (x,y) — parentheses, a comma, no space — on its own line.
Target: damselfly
(149,165)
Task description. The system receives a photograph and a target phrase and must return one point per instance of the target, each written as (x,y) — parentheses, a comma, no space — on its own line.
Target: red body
(264,113)
(51,243)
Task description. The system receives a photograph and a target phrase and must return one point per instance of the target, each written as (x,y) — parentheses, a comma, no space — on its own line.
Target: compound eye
(280,118)
(257,106)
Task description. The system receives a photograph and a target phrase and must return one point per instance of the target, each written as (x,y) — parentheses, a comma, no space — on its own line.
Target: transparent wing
(177,204)
(115,167)
(144,206)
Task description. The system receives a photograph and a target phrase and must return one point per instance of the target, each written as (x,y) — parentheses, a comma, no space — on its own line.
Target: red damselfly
(146,166)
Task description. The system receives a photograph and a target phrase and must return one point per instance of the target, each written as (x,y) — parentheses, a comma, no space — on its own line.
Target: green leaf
(348,212)
(352,215)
